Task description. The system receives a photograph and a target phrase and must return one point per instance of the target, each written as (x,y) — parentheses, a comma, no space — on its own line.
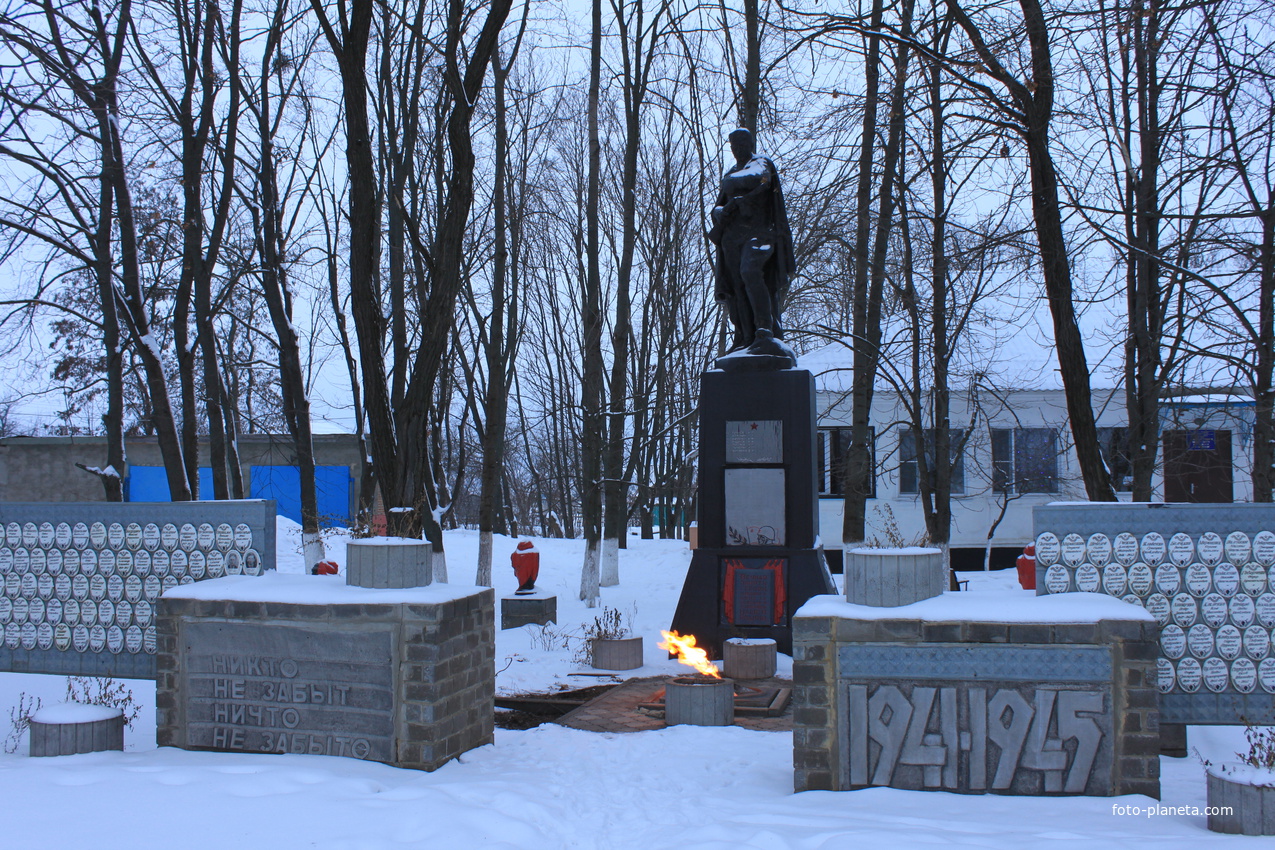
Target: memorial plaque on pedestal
(758,505)
(755,507)
(286,689)
(758,441)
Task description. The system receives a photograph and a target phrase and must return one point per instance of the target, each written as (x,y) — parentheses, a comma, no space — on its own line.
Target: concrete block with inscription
(305,664)
(956,694)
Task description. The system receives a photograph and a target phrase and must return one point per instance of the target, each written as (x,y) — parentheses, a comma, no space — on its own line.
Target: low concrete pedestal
(537,608)
(885,578)
(744,658)
(1236,807)
(699,701)
(615,653)
(1056,698)
(71,728)
(305,664)
(389,562)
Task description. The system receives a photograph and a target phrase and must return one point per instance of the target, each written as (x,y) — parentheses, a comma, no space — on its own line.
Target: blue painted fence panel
(283,484)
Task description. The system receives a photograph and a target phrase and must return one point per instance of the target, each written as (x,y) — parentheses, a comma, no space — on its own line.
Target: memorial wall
(1049,697)
(1205,572)
(80,579)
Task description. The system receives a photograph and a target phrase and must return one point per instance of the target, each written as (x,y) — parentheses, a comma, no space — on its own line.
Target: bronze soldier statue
(755,260)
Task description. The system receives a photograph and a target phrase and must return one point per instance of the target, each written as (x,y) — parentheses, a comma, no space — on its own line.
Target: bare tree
(78,50)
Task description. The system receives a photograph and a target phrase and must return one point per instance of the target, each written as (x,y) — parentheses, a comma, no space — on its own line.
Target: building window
(909,472)
(833,444)
(1114,444)
(1024,460)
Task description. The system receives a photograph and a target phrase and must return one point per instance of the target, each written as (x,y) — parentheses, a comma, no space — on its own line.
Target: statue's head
(742,144)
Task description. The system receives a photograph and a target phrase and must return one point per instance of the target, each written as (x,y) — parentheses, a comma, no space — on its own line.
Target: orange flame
(688,653)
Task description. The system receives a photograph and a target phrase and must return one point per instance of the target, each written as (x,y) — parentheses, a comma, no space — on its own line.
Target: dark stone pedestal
(757,560)
(537,608)
(1173,740)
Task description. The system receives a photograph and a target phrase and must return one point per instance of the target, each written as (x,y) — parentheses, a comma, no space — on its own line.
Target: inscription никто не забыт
(306,691)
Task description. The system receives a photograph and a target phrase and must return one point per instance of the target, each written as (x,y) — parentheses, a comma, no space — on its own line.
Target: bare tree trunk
(750,105)
(112,477)
(941,524)
(274,280)
(1263,392)
(1034,102)
(858,461)
(499,348)
(860,470)
(591,385)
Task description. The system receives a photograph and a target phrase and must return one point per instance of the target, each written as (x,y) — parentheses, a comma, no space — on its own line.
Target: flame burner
(699,701)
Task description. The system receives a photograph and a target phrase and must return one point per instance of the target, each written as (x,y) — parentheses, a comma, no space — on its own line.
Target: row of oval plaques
(1216,615)
(1237,549)
(37,562)
(134,536)
(81,638)
(92,586)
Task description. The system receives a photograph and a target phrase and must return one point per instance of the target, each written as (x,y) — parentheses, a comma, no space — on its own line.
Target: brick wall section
(42,469)
(819,714)
(441,666)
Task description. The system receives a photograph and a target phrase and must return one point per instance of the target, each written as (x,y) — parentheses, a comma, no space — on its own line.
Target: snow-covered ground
(550,787)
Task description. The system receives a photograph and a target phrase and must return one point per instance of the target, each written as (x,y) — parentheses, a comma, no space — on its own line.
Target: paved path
(617,709)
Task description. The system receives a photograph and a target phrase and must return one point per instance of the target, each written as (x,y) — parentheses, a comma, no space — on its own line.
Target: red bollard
(526,564)
(1027,567)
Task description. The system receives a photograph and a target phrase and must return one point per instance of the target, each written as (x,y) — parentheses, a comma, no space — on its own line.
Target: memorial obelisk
(758,559)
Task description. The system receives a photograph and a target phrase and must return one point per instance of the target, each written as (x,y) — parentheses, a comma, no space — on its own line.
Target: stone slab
(329,687)
(962,707)
(618,710)
(538,610)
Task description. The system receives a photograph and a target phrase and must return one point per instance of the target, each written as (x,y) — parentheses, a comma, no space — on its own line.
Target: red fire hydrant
(526,564)
(1027,567)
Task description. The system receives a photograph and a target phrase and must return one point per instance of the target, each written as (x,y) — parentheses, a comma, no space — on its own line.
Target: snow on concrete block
(968,705)
(530,609)
(70,728)
(745,658)
(389,562)
(1241,800)
(307,665)
(886,578)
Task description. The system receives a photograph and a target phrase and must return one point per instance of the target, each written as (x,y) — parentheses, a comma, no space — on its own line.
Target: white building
(1017,453)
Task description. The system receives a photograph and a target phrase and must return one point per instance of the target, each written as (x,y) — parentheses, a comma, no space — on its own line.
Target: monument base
(758,557)
(738,593)
(405,677)
(1056,698)
(527,609)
